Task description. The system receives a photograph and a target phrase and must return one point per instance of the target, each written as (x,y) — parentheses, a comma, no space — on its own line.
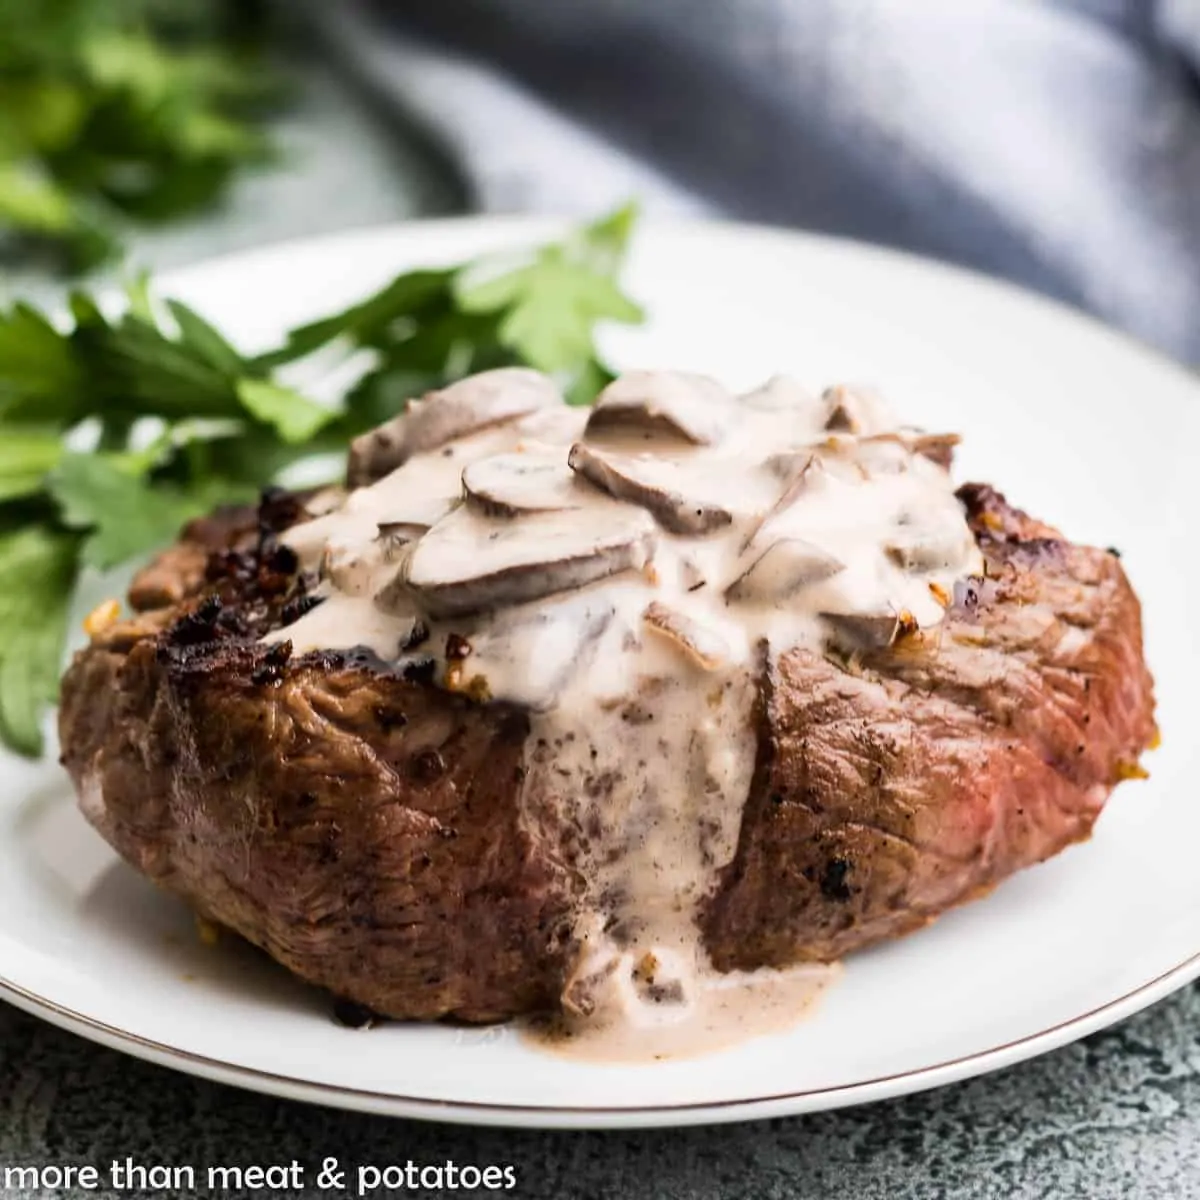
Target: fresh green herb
(123,511)
(37,575)
(549,306)
(116,430)
(539,308)
(112,110)
(294,417)
(27,455)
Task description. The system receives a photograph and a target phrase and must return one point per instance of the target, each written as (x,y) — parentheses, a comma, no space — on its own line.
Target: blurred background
(1052,142)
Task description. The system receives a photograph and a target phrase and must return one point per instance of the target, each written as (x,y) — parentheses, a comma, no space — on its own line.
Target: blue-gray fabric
(1054,142)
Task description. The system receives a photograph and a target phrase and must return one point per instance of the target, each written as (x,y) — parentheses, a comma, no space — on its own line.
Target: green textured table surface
(1116,1116)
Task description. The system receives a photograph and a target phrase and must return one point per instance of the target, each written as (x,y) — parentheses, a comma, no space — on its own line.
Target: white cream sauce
(635,648)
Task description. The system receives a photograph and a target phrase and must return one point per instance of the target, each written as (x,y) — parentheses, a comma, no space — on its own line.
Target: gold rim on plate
(476,1112)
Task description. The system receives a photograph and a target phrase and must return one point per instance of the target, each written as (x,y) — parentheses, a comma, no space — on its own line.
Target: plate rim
(505,230)
(708,1112)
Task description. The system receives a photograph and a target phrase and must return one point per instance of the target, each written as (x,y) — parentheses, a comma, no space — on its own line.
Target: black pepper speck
(833,881)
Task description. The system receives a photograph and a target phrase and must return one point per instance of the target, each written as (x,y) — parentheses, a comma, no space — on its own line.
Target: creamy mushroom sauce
(620,572)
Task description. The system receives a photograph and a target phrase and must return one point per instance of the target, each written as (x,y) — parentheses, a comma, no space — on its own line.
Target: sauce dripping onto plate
(622,573)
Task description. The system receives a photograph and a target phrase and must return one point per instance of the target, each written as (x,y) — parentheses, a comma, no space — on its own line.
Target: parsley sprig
(114,111)
(115,430)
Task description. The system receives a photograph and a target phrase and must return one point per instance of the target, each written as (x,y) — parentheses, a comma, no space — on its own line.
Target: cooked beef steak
(362,825)
(885,795)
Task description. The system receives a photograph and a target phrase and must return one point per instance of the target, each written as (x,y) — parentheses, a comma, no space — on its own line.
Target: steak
(886,794)
(361,824)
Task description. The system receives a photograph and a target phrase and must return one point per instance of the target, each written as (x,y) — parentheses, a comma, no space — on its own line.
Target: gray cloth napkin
(1054,142)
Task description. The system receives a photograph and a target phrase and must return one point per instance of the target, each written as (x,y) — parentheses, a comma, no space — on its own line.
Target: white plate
(1074,422)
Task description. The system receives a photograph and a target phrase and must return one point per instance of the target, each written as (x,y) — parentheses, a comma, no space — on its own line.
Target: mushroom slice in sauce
(632,479)
(781,392)
(325,501)
(935,551)
(467,563)
(855,459)
(309,538)
(855,410)
(882,456)
(393,542)
(589,977)
(691,575)
(937,447)
(703,645)
(787,463)
(783,569)
(870,631)
(489,398)
(507,485)
(675,403)
(529,657)
(805,472)
(350,569)
(395,534)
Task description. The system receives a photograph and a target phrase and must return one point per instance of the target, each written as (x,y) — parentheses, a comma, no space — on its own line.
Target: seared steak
(361,824)
(886,794)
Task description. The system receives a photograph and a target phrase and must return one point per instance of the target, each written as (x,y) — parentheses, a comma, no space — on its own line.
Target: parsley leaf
(37,574)
(429,327)
(134,367)
(605,241)
(552,306)
(415,297)
(120,110)
(40,377)
(548,309)
(178,420)
(32,202)
(27,455)
(294,417)
(204,339)
(125,514)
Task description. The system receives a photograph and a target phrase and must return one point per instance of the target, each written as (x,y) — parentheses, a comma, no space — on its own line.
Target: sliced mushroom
(856,410)
(308,539)
(889,437)
(475,403)
(590,977)
(935,550)
(633,479)
(803,477)
(507,485)
(704,646)
(351,569)
(691,576)
(553,426)
(530,656)
(395,537)
(325,501)
(787,463)
(671,403)
(466,563)
(781,392)
(395,597)
(937,447)
(856,459)
(400,532)
(783,569)
(864,632)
